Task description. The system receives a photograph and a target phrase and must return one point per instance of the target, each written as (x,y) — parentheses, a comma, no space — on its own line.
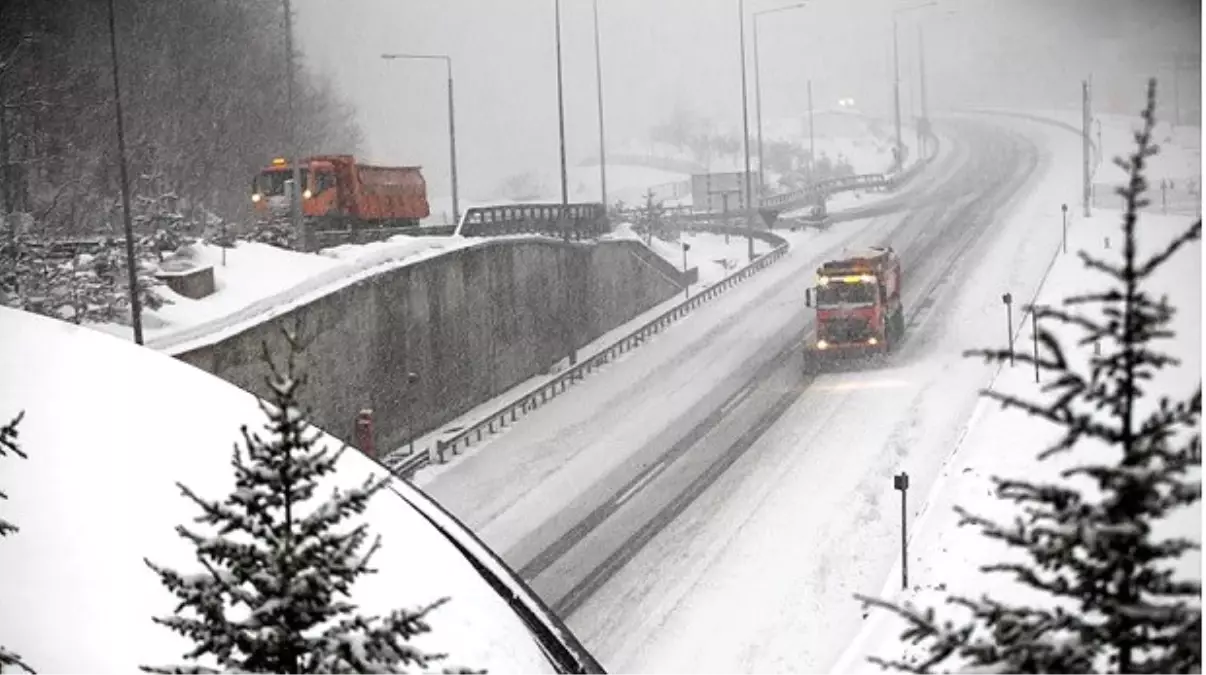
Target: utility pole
(127,221)
(1085,117)
(745,134)
(599,91)
(295,200)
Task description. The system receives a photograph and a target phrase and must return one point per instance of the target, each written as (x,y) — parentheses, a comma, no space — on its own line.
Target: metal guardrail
(408,465)
(574,221)
(806,195)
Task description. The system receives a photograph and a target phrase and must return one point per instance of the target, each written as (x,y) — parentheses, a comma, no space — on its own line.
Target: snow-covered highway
(702,469)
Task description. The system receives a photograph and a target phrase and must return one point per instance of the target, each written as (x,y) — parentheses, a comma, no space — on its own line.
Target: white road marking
(733,402)
(624,496)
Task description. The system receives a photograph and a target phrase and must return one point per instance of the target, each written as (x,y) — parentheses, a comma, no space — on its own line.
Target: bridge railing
(572,221)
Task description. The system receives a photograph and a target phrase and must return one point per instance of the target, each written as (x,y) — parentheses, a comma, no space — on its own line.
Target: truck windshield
(272,183)
(841,293)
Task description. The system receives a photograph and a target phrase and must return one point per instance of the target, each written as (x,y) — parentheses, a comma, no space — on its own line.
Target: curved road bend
(574,491)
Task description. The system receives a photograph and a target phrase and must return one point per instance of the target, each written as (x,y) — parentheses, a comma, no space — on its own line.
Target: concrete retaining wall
(471,324)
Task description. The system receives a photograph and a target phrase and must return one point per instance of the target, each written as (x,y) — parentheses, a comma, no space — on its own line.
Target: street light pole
(758,106)
(896,77)
(561,113)
(569,333)
(599,94)
(924,127)
(295,200)
(896,93)
(127,221)
(812,141)
(758,88)
(745,133)
(456,204)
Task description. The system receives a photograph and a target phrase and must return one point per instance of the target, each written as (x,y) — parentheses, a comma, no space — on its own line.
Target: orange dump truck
(858,308)
(338,192)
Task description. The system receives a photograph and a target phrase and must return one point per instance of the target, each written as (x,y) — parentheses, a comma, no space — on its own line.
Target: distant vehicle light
(306,194)
(278,161)
(822,345)
(255,198)
(872,341)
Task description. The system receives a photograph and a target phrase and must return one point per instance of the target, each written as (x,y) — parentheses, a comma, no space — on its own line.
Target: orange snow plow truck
(858,309)
(338,192)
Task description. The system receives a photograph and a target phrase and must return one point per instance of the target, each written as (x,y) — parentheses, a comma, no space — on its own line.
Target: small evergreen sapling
(8,444)
(1112,600)
(278,568)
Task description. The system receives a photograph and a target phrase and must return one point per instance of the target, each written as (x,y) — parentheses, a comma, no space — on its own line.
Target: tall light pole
(295,200)
(745,133)
(758,87)
(569,333)
(896,93)
(896,77)
(812,141)
(456,205)
(561,111)
(599,92)
(923,128)
(127,221)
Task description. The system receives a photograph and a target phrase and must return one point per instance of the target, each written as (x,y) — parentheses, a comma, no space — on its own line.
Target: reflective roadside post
(1064,208)
(364,432)
(901,482)
(1008,300)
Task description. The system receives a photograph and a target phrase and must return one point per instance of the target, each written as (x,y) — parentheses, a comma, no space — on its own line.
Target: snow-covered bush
(88,287)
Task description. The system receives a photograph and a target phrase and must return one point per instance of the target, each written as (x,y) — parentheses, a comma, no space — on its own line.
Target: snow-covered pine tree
(8,444)
(1112,600)
(278,564)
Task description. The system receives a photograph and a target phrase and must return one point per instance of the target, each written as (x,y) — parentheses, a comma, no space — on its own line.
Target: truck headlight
(821,344)
(306,194)
(255,198)
(872,341)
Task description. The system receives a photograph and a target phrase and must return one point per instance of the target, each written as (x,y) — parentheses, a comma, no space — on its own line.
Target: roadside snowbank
(945,558)
(109,428)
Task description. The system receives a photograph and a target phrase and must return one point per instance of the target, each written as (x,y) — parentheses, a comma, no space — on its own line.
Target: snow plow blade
(837,358)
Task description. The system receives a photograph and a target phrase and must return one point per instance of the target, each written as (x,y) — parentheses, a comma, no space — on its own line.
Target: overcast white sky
(661,53)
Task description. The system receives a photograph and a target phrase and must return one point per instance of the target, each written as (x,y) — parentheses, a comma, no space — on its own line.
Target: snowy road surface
(602,499)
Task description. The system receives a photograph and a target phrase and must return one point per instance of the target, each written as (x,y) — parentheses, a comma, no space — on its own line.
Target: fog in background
(659,54)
